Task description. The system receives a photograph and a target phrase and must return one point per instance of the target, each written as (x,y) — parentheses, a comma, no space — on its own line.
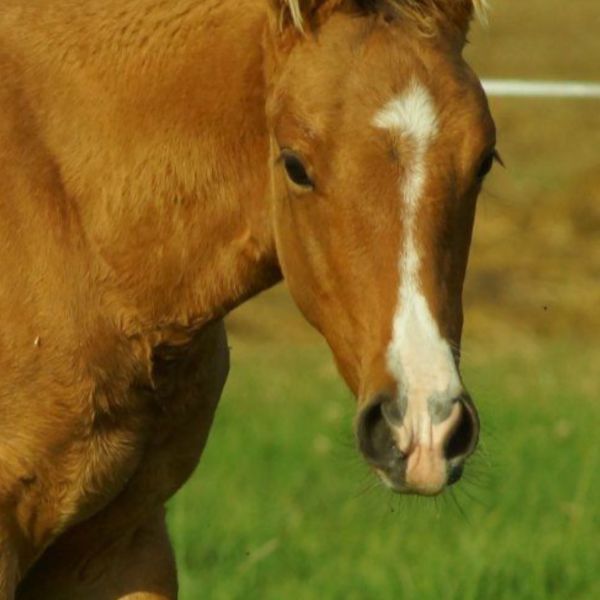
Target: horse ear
(303,14)
(461,12)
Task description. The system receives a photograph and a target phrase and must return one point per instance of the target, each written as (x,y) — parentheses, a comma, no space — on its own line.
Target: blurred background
(282,506)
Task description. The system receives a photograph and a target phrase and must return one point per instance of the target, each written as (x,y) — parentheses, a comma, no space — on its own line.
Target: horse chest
(177,411)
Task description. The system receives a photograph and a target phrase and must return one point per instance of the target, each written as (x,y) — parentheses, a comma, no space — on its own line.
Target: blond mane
(424,13)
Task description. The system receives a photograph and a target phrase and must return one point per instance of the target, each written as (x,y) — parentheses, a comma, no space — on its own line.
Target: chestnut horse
(161,161)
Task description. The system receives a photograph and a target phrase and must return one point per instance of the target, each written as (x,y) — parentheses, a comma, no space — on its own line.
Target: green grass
(282,507)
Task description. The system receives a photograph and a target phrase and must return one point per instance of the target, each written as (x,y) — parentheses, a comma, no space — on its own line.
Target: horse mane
(424,13)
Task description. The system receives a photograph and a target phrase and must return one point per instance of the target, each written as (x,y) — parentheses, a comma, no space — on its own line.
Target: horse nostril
(374,435)
(463,439)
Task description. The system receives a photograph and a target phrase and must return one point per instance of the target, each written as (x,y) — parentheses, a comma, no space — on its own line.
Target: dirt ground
(535,266)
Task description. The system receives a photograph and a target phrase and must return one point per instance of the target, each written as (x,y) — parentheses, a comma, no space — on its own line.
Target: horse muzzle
(418,447)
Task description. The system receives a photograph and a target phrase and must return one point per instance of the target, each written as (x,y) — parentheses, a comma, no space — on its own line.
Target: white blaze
(418,357)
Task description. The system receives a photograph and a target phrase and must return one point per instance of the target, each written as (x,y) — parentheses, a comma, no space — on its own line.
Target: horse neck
(174,191)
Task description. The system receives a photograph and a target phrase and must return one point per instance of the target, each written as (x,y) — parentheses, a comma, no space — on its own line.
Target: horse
(161,163)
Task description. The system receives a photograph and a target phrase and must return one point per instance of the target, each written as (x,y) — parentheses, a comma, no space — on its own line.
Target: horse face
(381,138)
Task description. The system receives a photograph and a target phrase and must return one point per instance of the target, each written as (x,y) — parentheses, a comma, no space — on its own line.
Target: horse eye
(486,165)
(295,169)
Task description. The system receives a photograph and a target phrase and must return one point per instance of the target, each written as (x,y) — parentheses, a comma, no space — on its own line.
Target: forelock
(424,13)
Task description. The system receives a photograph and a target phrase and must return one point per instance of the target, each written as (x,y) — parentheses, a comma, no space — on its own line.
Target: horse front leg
(14,549)
(103,559)
(123,552)
(57,468)
(8,566)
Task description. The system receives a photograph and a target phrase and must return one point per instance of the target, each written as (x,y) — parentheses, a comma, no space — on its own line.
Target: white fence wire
(541,89)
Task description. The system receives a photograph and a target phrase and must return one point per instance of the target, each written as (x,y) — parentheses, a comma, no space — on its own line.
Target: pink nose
(426,461)
(415,452)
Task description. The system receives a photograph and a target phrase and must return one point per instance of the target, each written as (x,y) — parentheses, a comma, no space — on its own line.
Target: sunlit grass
(282,507)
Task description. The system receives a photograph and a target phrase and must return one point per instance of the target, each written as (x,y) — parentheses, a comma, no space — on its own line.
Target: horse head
(381,137)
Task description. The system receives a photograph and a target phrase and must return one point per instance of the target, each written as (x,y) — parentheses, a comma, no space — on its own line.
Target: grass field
(281,505)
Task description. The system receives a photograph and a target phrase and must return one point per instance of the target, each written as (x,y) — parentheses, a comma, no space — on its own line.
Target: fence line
(541,89)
